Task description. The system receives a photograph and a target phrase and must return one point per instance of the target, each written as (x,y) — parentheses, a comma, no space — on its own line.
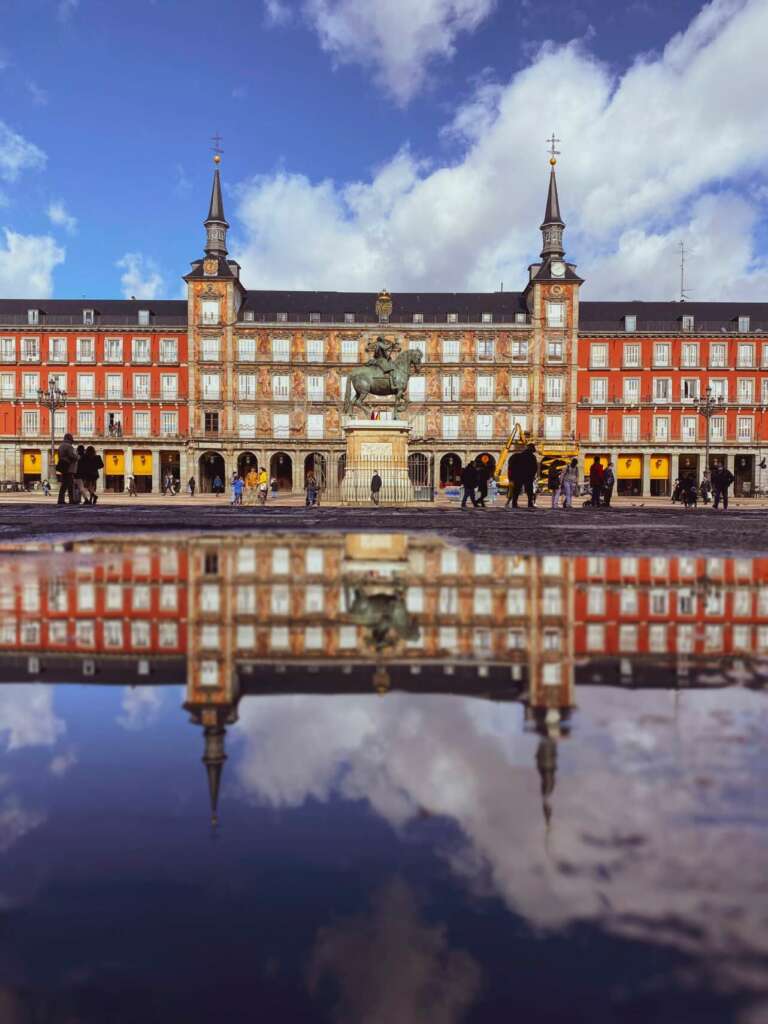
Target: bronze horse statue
(370,380)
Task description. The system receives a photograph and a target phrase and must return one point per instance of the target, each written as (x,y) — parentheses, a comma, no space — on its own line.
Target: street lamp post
(52,399)
(707,408)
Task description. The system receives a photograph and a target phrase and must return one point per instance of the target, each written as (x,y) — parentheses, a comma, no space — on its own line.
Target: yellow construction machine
(559,452)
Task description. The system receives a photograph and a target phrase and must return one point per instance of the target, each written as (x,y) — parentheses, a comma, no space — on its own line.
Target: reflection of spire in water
(546,763)
(214,757)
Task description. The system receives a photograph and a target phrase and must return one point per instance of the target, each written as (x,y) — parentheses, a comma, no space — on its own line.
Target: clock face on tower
(557,268)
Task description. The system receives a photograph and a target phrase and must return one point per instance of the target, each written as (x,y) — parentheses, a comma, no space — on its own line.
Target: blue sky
(374,143)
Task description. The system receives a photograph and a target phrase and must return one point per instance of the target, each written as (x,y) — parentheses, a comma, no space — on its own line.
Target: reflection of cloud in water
(141,707)
(393,967)
(656,831)
(61,763)
(27,718)
(15,822)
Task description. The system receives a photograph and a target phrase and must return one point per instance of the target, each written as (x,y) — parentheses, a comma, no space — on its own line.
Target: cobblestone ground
(625,528)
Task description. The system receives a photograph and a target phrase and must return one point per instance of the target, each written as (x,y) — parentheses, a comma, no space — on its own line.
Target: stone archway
(315,463)
(486,461)
(211,466)
(281,470)
(450,469)
(246,461)
(418,469)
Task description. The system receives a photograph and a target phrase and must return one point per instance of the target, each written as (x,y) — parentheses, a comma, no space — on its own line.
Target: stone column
(645,488)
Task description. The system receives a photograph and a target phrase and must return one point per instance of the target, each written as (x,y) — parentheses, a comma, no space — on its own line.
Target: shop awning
(659,467)
(629,467)
(142,463)
(114,463)
(31,462)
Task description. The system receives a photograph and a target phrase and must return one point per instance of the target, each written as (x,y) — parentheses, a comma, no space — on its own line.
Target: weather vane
(216,147)
(554,153)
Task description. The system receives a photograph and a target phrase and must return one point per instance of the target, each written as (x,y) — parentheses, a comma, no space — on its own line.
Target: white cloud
(141,707)
(659,153)
(38,94)
(277,12)
(17,154)
(58,215)
(399,39)
(27,718)
(141,276)
(27,263)
(66,8)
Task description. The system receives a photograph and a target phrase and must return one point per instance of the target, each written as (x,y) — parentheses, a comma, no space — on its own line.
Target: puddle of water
(380,777)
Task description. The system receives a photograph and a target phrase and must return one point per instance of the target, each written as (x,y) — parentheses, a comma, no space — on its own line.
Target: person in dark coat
(522,469)
(89,467)
(482,484)
(596,481)
(469,483)
(722,478)
(609,482)
(67,464)
(191,483)
(375,487)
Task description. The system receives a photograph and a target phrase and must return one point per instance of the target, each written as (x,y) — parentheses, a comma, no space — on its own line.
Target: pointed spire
(546,763)
(552,212)
(552,226)
(215,223)
(214,757)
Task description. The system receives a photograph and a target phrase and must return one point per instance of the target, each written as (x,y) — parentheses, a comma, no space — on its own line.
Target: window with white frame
(349,318)
(485,348)
(595,600)
(7,350)
(315,349)
(555,312)
(88,317)
(210,350)
(60,422)
(658,603)
(764,391)
(450,426)
(246,386)
(169,423)
(30,382)
(689,354)
(169,350)
(765,355)
(519,419)
(451,387)
(141,385)
(630,323)
(169,386)
(86,350)
(631,428)
(661,428)
(689,389)
(744,426)
(451,350)
(140,350)
(246,424)
(632,355)
(281,350)
(30,421)
(144,318)
(281,318)
(745,354)
(662,354)
(632,390)
(520,350)
(7,385)
(452,318)
(659,566)
(113,350)
(486,318)
(418,345)
(718,353)
(687,322)
(85,385)
(315,426)
(518,389)
(598,355)
(598,390)
(246,350)
(743,324)
(211,386)
(209,309)
(555,351)
(281,386)
(595,636)
(745,390)
(30,350)
(553,389)
(688,428)
(483,426)
(281,427)
(33,317)
(350,348)
(719,388)
(597,428)
(417,389)
(141,423)
(85,422)
(485,387)
(553,428)
(315,387)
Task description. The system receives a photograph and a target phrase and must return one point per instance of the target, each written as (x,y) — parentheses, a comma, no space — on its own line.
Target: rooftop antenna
(683,289)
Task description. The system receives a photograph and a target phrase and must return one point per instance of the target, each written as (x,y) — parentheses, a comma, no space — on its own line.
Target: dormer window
(281,318)
(743,325)
(88,317)
(630,323)
(314,318)
(33,317)
(687,322)
(248,315)
(143,318)
(521,318)
(349,318)
(452,318)
(418,318)
(486,318)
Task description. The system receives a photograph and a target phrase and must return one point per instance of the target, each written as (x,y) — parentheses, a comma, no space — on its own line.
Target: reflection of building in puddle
(247,615)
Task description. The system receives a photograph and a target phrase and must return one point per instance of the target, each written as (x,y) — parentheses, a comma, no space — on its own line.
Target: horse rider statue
(382,350)
(382,375)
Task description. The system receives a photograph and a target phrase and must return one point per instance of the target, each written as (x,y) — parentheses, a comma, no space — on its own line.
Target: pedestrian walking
(66,466)
(677,491)
(469,483)
(705,488)
(132,486)
(376,482)
(46,488)
(554,482)
(722,478)
(89,468)
(218,485)
(273,486)
(237,489)
(251,486)
(493,490)
(81,495)
(482,485)
(569,482)
(311,488)
(609,480)
(688,491)
(596,481)
(522,468)
(191,484)
(263,486)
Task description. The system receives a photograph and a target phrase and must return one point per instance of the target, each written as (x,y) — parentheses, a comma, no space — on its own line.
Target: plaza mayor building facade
(233,378)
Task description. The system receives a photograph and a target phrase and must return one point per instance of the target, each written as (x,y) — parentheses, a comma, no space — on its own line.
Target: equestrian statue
(382,375)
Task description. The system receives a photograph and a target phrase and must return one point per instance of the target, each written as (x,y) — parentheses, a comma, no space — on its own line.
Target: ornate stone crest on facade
(210,266)
(384,305)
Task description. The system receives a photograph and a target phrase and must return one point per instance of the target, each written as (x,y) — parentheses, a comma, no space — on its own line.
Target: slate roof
(713,317)
(552,212)
(107,312)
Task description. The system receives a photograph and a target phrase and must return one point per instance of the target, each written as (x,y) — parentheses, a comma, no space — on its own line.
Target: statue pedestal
(377,446)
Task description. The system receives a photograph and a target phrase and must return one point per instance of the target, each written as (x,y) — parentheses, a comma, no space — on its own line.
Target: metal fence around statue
(381,481)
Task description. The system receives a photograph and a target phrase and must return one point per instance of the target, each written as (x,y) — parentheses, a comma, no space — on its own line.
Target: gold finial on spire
(554,153)
(217,150)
